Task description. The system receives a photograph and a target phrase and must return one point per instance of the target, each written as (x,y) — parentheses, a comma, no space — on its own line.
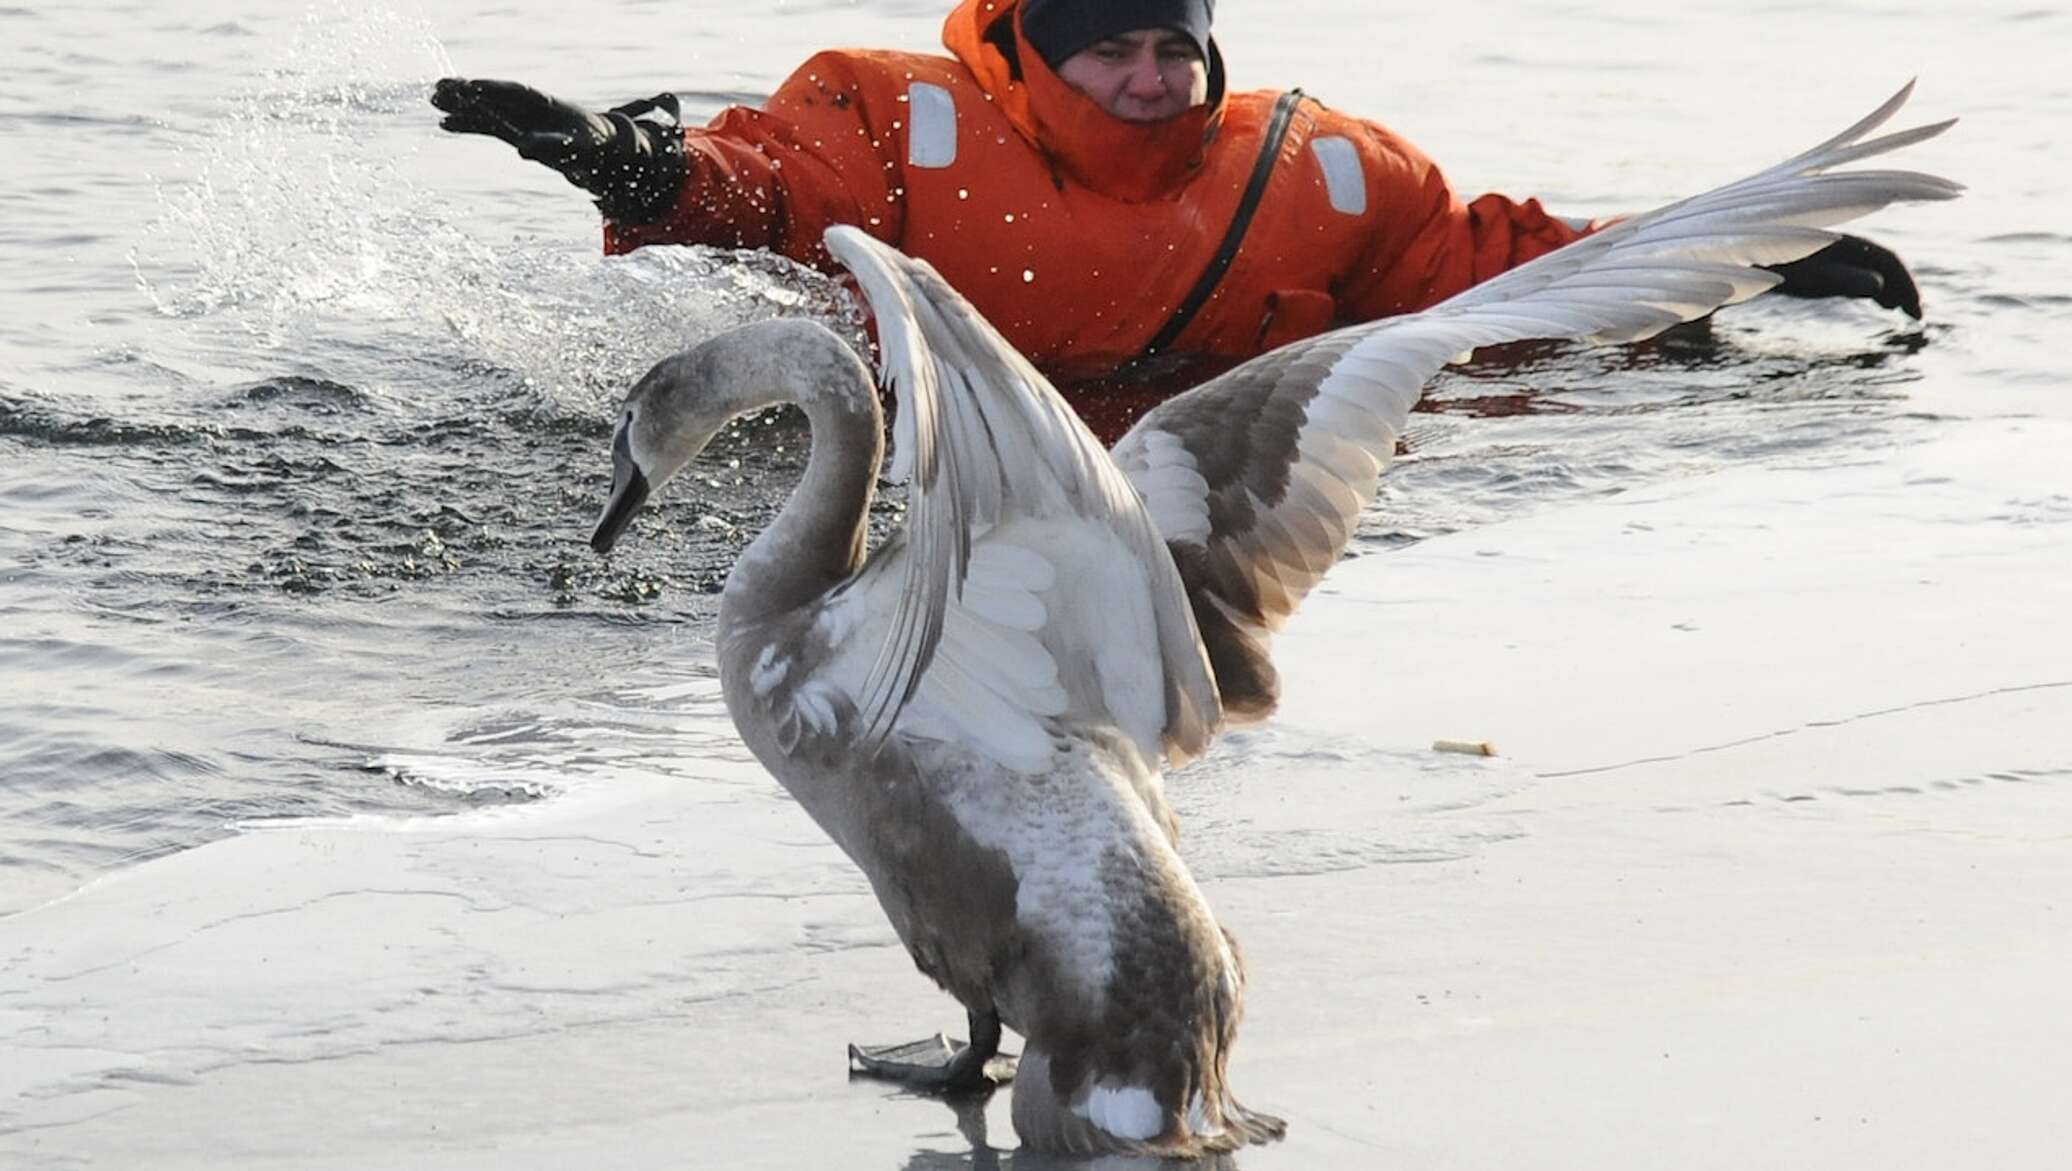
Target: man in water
(1078,170)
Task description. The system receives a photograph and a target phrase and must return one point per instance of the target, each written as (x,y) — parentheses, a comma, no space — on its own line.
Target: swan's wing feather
(1858,129)
(987,445)
(1258,478)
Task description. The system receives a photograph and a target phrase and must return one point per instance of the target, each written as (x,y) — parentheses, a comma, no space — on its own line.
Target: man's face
(1147,75)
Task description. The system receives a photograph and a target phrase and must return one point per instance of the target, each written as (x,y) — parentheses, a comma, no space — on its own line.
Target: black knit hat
(1059,28)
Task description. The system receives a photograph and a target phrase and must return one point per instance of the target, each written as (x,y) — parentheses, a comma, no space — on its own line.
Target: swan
(978,712)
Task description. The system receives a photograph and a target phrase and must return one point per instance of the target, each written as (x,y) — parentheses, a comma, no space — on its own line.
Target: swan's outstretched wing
(1258,478)
(1004,474)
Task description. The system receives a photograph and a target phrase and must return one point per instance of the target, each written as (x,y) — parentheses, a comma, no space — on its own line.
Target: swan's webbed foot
(938,1065)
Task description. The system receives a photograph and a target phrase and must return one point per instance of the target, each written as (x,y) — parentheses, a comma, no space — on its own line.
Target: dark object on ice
(629,157)
(1852,267)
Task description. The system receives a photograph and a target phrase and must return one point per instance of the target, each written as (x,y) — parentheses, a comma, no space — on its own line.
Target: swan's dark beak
(629,492)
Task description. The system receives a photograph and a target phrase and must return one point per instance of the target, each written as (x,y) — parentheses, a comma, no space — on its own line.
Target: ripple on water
(463,780)
(28,419)
(45,761)
(2027,238)
(319,397)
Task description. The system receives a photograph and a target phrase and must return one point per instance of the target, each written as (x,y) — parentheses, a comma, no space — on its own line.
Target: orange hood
(1130,161)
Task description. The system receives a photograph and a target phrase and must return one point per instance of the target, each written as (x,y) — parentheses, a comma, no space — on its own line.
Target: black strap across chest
(1234,238)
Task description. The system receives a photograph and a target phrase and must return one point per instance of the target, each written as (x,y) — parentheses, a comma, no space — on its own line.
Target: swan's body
(979,711)
(1011,822)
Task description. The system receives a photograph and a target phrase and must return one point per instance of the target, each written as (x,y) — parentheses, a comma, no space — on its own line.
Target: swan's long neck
(819,537)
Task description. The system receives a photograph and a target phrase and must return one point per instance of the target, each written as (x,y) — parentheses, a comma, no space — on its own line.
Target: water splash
(300,224)
(287,207)
(580,329)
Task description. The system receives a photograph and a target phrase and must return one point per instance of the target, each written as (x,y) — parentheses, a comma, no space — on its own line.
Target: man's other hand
(1852,267)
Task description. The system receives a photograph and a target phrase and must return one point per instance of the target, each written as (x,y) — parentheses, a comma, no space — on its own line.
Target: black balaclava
(1059,28)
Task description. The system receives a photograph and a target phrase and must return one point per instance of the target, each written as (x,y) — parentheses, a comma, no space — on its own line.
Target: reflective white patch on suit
(1344,179)
(931,126)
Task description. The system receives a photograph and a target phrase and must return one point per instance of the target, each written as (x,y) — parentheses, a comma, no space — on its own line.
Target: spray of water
(286,209)
(300,221)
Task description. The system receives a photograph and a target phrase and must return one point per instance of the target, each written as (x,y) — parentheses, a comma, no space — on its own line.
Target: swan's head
(673,412)
(669,417)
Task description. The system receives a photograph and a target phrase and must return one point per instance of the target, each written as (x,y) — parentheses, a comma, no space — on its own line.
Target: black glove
(630,158)
(1852,267)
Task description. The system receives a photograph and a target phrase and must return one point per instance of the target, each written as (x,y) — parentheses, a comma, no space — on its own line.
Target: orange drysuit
(1078,234)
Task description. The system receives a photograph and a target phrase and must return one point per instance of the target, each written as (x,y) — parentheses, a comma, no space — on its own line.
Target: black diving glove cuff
(641,170)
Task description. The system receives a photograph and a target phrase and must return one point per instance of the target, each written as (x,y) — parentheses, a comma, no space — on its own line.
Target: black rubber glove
(630,158)
(1852,267)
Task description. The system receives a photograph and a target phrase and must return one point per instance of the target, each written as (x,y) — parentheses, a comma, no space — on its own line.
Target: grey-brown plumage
(985,749)
(1255,565)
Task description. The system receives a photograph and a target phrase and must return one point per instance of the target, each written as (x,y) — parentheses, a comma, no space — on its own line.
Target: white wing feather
(986,444)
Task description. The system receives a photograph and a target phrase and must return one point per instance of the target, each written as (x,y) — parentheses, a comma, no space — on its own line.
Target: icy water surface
(303,405)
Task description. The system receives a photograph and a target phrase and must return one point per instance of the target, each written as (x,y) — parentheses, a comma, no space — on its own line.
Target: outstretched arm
(776,177)
(629,158)
(1434,246)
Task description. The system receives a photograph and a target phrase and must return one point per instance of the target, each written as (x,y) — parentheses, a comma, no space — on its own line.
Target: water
(303,405)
